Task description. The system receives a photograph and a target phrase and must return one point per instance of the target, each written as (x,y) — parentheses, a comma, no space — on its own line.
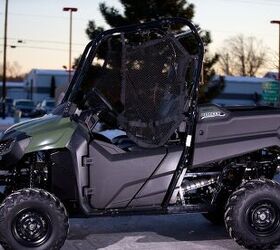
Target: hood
(33,125)
(47,132)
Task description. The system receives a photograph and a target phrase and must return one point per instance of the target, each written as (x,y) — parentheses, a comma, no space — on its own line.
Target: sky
(43,27)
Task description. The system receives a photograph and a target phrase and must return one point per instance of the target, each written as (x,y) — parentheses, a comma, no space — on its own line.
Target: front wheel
(252,215)
(33,219)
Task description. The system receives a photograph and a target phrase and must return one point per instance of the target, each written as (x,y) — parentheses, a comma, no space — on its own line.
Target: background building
(15,90)
(42,84)
(246,91)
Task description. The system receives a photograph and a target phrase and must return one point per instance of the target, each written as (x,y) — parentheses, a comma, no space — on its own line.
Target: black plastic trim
(130,155)
(232,140)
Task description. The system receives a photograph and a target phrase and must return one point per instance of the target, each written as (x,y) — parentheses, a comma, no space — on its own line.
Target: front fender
(48,132)
(52,136)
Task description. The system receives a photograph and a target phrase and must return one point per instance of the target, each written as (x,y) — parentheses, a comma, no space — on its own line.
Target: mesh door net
(153,89)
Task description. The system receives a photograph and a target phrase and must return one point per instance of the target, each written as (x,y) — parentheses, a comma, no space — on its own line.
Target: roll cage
(190,106)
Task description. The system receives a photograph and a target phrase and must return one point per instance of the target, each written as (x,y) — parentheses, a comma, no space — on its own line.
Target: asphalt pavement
(188,231)
(152,232)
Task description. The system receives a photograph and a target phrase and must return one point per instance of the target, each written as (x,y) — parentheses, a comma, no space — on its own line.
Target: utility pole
(278,22)
(70,9)
(4,63)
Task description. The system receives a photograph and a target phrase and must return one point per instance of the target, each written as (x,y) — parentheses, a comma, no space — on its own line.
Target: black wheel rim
(31,227)
(263,218)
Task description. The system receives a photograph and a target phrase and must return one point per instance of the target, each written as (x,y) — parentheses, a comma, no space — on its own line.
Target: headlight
(6,146)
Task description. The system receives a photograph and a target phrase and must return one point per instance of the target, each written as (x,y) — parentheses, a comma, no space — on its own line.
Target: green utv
(129,137)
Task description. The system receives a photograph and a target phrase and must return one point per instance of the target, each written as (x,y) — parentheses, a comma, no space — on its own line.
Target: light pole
(4,62)
(278,22)
(70,9)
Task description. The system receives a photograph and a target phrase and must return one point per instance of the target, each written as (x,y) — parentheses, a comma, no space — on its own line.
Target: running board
(197,208)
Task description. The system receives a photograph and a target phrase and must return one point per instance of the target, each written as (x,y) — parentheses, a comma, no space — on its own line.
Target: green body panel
(48,132)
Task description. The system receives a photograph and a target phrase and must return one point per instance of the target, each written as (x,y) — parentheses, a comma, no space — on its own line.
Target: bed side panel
(237,135)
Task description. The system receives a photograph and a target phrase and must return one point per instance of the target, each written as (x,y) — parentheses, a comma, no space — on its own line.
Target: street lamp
(70,9)
(4,62)
(278,22)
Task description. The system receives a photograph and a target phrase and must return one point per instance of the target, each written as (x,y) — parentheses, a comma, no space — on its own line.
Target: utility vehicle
(129,138)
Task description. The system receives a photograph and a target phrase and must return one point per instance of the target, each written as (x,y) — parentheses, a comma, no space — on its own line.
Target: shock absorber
(192,185)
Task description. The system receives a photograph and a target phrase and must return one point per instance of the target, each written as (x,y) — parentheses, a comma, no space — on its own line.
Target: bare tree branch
(243,56)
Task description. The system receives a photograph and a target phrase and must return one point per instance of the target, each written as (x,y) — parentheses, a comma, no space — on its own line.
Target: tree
(140,11)
(13,71)
(135,11)
(209,60)
(145,10)
(243,56)
(206,94)
(274,60)
(92,31)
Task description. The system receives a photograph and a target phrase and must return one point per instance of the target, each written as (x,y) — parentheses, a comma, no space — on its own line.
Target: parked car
(26,106)
(47,105)
(42,108)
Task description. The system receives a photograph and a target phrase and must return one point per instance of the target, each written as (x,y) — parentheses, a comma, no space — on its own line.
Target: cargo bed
(223,133)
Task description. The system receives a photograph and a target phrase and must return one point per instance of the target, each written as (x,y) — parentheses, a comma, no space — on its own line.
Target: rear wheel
(252,215)
(33,219)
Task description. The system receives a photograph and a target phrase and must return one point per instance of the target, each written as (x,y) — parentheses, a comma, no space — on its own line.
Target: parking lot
(189,231)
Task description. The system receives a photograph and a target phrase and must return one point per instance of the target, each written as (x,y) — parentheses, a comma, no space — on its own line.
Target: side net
(153,90)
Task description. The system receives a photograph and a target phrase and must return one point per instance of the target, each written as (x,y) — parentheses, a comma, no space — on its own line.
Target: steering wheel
(104,100)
